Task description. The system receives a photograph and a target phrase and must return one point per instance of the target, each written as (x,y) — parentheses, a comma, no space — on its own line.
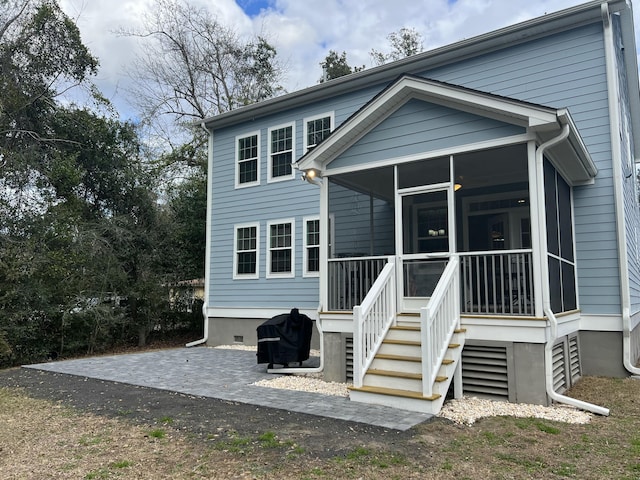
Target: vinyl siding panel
(564,70)
(419,126)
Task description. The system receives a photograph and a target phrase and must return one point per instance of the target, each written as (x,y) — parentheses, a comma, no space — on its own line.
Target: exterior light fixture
(312,176)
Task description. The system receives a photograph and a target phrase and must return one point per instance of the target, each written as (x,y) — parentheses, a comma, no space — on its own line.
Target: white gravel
(468,410)
(464,411)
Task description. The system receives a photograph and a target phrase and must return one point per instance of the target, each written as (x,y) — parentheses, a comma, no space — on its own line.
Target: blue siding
(630,186)
(562,70)
(419,126)
(263,203)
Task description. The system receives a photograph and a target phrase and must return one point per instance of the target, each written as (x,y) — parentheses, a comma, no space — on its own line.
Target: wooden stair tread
(447,361)
(405,328)
(395,393)
(454,345)
(460,330)
(412,343)
(406,358)
(393,373)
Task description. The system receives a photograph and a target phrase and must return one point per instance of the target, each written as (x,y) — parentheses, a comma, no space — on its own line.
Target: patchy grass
(38,436)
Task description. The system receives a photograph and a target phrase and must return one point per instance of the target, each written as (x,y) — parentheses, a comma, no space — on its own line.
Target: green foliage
(157,433)
(84,243)
(404,43)
(335,65)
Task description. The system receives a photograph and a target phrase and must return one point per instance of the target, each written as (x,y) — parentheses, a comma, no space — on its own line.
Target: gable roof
(572,17)
(545,122)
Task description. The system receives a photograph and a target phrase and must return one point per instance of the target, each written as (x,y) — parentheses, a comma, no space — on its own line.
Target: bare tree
(404,43)
(195,67)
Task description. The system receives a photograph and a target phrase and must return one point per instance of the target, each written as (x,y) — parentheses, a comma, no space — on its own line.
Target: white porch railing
(438,321)
(372,320)
(497,283)
(350,279)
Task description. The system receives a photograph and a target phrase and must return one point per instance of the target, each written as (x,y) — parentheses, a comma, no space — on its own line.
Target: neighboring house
(470,213)
(187,293)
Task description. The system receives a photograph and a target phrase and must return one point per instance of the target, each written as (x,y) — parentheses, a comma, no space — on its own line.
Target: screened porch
(475,206)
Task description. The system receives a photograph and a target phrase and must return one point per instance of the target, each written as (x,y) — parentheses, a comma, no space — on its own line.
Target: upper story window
(245,245)
(248,160)
(311,247)
(316,129)
(280,248)
(281,152)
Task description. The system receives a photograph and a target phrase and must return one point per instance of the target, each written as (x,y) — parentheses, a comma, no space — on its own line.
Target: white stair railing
(372,320)
(439,320)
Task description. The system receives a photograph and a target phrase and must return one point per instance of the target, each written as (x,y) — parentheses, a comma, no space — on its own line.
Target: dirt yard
(59,426)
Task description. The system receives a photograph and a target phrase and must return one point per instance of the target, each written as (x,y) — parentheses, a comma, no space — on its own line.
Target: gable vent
(484,371)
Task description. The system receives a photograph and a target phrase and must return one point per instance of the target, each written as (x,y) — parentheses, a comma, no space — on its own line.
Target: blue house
(464,218)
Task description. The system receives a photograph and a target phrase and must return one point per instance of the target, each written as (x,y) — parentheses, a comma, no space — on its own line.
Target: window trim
(246,276)
(256,134)
(305,127)
(292,247)
(270,177)
(305,246)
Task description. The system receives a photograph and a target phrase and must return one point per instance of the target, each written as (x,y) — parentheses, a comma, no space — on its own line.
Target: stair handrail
(372,320)
(438,322)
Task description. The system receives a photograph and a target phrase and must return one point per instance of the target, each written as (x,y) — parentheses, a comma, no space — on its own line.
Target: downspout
(207,253)
(546,297)
(616,159)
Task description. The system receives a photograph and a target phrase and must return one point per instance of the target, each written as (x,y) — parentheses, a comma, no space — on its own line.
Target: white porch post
(538,220)
(325,238)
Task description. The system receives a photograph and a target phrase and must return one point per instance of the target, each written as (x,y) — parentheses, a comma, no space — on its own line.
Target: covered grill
(285,339)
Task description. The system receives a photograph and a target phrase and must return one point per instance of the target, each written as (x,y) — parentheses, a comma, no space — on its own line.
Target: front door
(425,244)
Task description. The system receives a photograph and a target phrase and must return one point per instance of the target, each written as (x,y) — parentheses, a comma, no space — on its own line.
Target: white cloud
(303,32)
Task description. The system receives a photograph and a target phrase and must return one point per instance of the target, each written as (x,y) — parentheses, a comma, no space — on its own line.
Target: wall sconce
(312,176)
(457,186)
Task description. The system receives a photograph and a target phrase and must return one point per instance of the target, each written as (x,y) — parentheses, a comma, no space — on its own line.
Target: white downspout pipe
(207,253)
(546,298)
(616,159)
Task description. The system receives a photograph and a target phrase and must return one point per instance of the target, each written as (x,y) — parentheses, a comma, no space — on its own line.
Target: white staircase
(395,376)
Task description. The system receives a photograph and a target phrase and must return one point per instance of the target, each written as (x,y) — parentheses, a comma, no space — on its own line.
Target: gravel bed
(468,410)
(464,411)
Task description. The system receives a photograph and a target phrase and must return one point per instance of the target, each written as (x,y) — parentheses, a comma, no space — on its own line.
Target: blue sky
(303,32)
(253,7)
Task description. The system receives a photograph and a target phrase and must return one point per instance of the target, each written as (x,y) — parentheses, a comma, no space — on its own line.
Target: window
(317,129)
(248,160)
(280,249)
(245,259)
(281,152)
(311,247)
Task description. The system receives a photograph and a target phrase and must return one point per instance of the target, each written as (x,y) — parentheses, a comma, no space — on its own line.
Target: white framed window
(246,250)
(280,248)
(281,152)
(248,160)
(311,254)
(316,129)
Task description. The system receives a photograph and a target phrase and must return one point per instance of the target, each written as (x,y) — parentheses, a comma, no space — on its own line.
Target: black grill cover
(285,338)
